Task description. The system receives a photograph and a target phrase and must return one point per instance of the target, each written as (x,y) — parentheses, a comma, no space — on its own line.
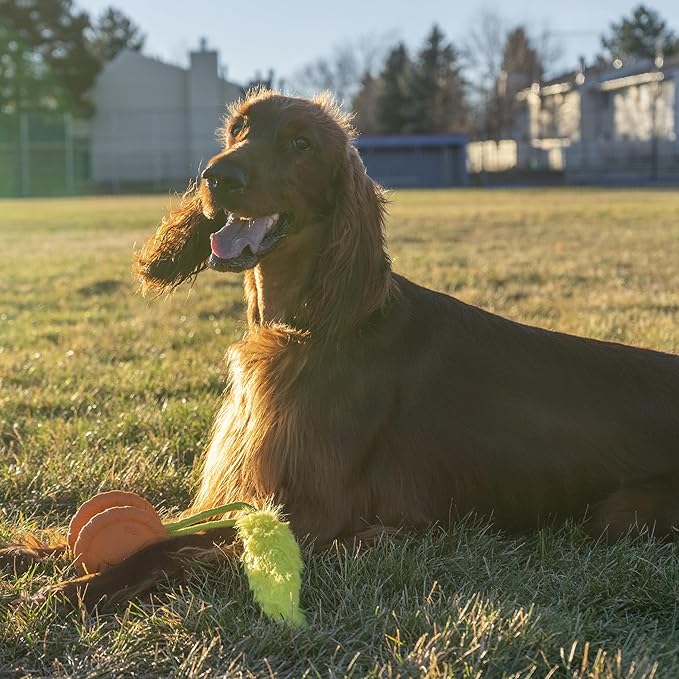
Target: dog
(359,399)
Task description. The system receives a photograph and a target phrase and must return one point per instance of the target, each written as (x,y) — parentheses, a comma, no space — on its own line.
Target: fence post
(24,155)
(69,153)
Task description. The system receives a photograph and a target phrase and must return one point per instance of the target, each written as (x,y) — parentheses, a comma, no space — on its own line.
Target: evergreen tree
(393,114)
(113,32)
(521,66)
(364,105)
(437,90)
(50,54)
(638,36)
(46,61)
(520,61)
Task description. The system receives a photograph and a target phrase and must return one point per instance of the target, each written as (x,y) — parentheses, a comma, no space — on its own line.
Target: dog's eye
(237,128)
(301,144)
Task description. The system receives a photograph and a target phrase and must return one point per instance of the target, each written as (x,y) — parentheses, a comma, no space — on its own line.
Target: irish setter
(359,398)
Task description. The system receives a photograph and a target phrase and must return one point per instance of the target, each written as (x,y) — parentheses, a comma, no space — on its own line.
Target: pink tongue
(231,239)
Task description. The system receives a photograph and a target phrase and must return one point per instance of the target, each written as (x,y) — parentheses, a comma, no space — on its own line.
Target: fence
(48,154)
(43,154)
(51,154)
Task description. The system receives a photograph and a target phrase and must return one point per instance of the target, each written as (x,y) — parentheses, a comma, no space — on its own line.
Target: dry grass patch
(101,389)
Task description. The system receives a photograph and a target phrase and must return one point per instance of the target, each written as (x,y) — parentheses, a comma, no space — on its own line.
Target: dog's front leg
(17,559)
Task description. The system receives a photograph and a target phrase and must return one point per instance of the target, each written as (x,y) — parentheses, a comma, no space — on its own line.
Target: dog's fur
(359,398)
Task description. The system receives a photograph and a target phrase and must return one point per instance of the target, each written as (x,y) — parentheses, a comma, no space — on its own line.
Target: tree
(638,36)
(337,73)
(364,105)
(46,61)
(437,90)
(483,51)
(521,66)
(342,71)
(499,59)
(422,95)
(113,32)
(520,60)
(50,53)
(393,102)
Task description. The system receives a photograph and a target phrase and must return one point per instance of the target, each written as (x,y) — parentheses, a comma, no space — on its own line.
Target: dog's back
(519,421)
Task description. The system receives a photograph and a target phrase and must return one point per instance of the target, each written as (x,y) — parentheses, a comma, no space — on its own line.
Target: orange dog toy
(114,525)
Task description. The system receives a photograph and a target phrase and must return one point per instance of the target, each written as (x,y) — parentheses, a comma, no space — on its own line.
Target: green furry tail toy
(273,564)
(271,556)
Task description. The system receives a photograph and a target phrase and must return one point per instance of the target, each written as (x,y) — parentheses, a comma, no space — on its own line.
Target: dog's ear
(353,279)
(179,249)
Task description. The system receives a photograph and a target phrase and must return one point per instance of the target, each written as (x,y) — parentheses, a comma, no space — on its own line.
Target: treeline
(51,53)
(428,92)
(470,87)
(440,87)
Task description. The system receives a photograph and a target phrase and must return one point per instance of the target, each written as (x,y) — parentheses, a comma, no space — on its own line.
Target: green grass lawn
(102,389)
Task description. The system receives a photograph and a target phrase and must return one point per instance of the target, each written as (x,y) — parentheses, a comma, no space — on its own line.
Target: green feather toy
(271,556)
(273,564)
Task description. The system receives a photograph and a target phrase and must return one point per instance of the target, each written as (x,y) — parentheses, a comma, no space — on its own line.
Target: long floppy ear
(179,249)
(354,274)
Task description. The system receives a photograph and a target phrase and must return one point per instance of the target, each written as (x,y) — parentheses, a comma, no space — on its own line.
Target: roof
(410,140)
(602,72)
(127,57)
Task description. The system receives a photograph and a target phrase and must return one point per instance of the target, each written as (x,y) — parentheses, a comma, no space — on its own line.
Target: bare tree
(549,47)
(501,59)
(483,51)
(343,70)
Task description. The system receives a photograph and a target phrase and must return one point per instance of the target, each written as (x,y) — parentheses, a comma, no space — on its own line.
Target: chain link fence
(45,154)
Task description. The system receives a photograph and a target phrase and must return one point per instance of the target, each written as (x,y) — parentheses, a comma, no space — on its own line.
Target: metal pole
(654,134)
(69,153)
(24,155)
(657,65)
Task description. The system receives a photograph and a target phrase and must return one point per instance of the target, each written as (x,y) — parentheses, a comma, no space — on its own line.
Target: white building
(604,123)
(154,123)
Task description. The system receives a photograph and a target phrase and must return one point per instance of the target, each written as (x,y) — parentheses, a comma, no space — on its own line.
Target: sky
(286,35)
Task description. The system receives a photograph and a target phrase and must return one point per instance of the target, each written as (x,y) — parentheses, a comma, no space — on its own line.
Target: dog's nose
(226,176)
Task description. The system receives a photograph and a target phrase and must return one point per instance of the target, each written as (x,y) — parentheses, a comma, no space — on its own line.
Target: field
(102,389)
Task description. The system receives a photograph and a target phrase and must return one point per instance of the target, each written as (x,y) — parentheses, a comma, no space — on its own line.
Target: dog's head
(278,175)
(288,179)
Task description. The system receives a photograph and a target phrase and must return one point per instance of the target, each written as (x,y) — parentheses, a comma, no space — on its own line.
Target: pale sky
(285,35)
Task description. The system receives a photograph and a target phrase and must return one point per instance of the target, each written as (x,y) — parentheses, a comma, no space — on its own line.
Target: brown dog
(359,398)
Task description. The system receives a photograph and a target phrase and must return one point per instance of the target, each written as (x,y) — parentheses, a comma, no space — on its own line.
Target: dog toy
(112,526)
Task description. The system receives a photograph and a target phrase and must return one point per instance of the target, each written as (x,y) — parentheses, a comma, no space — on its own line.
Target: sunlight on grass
(102,389)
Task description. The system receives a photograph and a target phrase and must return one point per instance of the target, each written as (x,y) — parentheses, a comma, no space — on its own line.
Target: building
(154,122)
(418,160)
(612,124)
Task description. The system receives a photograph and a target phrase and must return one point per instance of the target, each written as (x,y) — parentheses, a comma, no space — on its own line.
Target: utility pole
(657,88)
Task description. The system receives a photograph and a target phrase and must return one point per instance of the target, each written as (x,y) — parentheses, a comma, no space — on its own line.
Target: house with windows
(154,122)
(612,124)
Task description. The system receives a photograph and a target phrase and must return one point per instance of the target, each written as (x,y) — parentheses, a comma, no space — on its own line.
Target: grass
(101,389)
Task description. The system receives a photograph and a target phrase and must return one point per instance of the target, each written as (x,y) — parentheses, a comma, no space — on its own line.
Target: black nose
(226,176)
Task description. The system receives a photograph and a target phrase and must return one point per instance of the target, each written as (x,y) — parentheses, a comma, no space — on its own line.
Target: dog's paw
(75,592)
(17,559)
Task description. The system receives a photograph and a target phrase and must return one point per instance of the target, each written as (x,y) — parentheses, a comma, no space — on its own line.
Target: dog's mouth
(242,242)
